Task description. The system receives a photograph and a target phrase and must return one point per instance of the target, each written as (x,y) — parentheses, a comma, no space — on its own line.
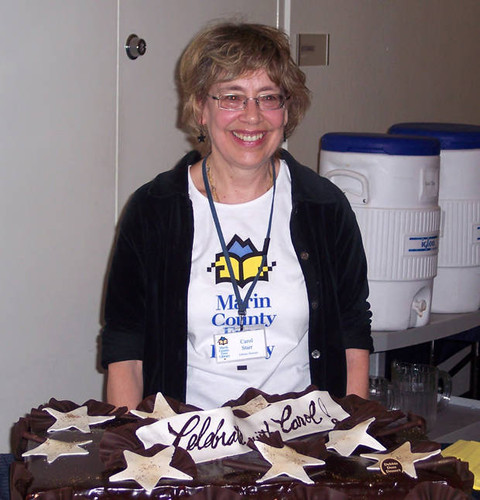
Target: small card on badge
(241,345)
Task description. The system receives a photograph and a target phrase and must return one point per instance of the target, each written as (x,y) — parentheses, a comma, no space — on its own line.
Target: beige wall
(390,61)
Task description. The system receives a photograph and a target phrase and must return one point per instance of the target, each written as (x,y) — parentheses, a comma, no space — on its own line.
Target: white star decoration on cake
(78,419)
(286,461)
(147,471)
(398,460)
(161,409)
(53,448)
(345,442)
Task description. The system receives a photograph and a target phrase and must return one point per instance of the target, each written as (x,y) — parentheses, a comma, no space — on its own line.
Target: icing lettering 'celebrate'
(218,433)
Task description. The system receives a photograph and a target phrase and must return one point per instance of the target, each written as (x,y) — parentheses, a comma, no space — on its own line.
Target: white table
(459,420)
(439,327)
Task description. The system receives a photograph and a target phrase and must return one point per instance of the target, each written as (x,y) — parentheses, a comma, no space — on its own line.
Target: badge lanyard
(242,303)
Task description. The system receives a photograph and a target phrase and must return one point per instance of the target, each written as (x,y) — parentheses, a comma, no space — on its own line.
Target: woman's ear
(199,112)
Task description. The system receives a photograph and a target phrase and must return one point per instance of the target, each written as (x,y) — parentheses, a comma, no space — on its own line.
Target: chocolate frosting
(234,477)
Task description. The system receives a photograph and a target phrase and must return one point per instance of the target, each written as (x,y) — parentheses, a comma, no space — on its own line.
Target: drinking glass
(420,389)
(380,389)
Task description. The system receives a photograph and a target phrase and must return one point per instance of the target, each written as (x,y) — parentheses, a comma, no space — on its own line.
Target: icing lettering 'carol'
(213,434)
(283,316)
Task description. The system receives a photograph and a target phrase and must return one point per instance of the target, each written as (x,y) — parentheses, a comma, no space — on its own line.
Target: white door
(149,141)
(57,159)
(66,89)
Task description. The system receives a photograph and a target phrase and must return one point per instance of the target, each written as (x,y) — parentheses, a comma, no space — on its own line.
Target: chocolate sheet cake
(297,445)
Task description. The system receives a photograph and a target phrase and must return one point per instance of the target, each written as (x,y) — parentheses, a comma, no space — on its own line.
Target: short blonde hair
(227,51)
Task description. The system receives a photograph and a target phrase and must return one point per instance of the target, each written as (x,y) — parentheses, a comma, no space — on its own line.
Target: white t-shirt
(279,300)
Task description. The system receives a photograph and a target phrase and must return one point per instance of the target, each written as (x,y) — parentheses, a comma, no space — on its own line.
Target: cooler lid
(450,135)
(354,142)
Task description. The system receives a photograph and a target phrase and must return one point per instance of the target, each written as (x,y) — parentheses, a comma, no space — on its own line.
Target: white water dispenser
(392,185)
(456,288)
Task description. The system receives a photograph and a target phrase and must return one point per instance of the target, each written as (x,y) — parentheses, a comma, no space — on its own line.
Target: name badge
(238,346)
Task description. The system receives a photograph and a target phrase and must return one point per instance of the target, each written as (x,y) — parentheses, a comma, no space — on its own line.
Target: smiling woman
(225,52)
(237,223)
(243,140)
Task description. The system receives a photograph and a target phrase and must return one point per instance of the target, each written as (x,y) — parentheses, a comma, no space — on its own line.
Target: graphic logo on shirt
(245,259)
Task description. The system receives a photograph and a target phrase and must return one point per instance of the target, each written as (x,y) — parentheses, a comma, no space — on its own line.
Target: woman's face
(247,138)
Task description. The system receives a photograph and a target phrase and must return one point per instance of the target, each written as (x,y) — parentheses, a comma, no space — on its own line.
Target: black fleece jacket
(146,299)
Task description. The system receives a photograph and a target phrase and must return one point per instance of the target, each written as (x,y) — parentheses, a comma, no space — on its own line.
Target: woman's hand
(125,383)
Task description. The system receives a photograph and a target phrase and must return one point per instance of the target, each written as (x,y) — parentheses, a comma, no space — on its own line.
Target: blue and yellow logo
(245,259)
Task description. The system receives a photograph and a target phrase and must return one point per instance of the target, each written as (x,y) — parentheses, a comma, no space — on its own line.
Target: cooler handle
(351,195)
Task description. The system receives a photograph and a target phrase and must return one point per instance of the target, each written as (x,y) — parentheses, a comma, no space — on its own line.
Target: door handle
(135,46)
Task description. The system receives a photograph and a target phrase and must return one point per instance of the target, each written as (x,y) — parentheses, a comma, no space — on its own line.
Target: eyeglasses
(238,102)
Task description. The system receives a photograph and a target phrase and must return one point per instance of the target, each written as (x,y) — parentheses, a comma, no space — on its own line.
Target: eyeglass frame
(246,99)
